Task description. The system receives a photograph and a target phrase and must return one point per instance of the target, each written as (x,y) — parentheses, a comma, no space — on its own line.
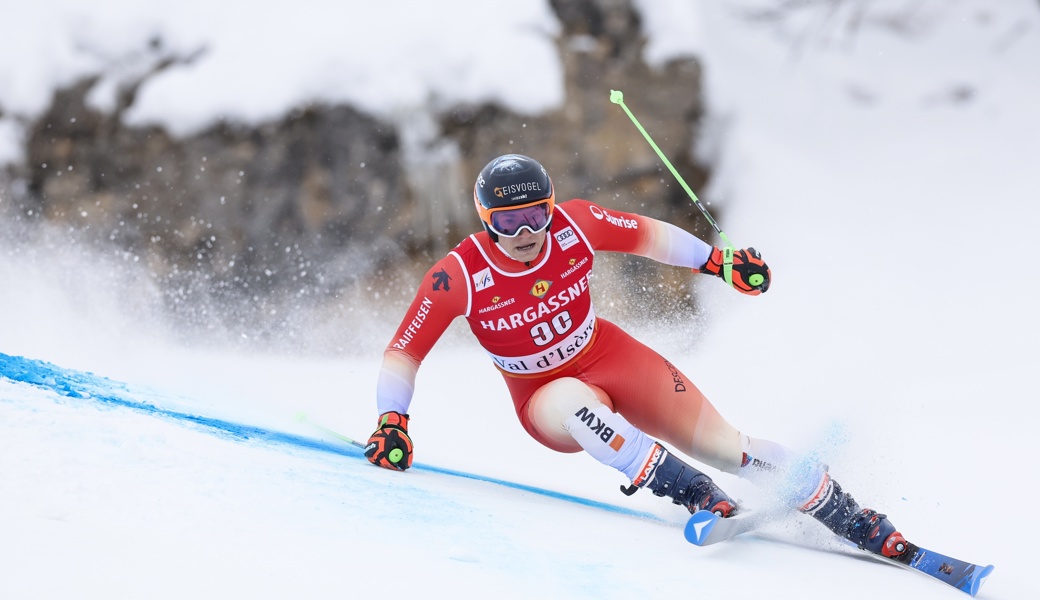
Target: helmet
(514,192)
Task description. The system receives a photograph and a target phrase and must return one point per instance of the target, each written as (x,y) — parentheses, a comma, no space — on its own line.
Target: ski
(705,528)
(963,575)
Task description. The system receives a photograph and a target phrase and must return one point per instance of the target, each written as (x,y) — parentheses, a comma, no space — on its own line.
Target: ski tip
(978,578)
(699,527)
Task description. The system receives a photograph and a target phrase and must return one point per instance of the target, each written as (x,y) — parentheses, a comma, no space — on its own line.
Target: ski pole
(727,252)
(301,417)
(395,455)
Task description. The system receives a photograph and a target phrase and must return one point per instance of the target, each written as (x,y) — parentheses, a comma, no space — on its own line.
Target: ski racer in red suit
(580,383)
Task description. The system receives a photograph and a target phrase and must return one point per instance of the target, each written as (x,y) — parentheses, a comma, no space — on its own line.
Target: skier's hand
(390,447)
(750,273)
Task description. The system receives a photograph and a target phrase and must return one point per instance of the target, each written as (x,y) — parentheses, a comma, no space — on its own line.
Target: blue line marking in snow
(90,387)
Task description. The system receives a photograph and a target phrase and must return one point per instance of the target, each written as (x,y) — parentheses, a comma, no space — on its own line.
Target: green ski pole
(727,252)
(302,417)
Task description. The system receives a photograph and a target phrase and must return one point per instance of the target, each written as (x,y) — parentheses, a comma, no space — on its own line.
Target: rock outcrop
(327,197)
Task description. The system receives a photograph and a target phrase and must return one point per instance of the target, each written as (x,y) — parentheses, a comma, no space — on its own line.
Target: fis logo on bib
(483,280)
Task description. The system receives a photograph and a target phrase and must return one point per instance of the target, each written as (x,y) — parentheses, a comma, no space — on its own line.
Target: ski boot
(866,528)
(665,475)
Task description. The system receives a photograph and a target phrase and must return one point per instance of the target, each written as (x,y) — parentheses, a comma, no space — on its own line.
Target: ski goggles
(510,221)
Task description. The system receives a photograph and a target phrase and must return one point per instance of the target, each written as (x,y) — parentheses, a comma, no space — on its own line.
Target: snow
(888,179)
(251,62)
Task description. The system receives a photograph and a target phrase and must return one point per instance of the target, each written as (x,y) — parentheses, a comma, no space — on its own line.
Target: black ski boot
(865,527)
(665,475)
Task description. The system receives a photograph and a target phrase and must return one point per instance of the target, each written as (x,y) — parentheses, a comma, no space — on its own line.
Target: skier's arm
(616,231)
(441,297)
(396,382)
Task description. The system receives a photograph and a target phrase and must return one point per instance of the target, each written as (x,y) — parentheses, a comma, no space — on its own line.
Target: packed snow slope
(889,177)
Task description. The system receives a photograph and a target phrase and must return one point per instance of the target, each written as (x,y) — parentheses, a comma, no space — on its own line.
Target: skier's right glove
(390,447)
(750,273)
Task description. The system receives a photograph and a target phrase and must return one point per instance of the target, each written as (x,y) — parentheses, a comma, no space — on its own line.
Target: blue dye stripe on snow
(93,388)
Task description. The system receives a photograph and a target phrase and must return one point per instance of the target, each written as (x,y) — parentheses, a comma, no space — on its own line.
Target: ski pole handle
(727,252)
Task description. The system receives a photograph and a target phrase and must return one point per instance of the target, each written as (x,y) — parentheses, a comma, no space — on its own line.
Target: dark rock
(327,196)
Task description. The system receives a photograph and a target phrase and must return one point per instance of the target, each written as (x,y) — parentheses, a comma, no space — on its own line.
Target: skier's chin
(525,250)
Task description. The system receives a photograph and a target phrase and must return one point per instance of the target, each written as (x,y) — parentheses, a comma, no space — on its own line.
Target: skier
(578,382)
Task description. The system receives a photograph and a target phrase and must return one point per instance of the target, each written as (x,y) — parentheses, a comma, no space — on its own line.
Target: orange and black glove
(390,447)
(750,273)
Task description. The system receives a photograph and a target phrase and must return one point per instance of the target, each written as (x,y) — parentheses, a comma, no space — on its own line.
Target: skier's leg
(569,415)
(655,396)
(659,399)
(805,484)
(865,527)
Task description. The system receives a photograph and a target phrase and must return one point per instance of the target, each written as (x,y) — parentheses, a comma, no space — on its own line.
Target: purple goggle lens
(508,223)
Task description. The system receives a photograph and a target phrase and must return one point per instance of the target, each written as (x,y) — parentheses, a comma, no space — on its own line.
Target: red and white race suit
(538,324)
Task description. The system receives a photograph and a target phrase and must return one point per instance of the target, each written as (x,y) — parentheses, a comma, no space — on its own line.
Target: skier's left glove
(750,274)
(390,447)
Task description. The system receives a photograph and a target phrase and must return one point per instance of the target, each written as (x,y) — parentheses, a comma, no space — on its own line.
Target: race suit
(537,323)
